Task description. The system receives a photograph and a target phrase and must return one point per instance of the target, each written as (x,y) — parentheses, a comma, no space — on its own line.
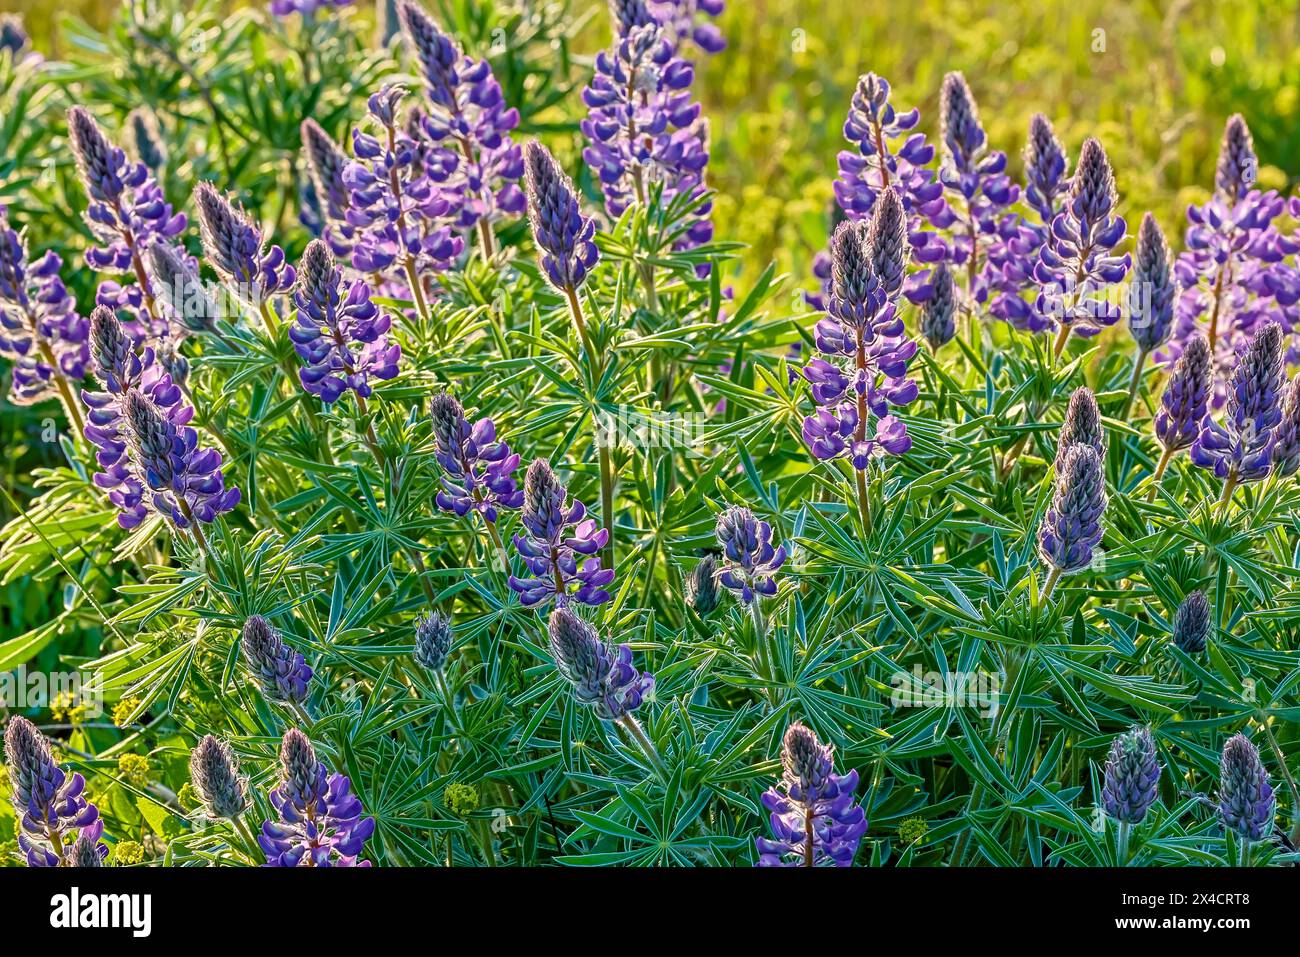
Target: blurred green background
(1155,81)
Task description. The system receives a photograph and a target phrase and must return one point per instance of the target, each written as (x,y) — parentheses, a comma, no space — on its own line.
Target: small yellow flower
(127,852)
(123,710)
(66,709)
(912,830)
(134,768)
(461,799)
(188,797)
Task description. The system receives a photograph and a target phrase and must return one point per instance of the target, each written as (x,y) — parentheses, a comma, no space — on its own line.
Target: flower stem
(1134,382)
(864,501)
(1052,578)
(1229,486)
(1159,473)
(633,728)
(575,309)
(1061,338)
(608,477)
(1121,850)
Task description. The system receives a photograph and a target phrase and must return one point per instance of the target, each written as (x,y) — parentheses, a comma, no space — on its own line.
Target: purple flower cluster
(683,21)
(320,822)
(1246,800)
(234,246)
(749,560)
(644,130)
(339,334)
(123,368)
(558,544)
(814,818)
(58,825)
(1077,263)
(325,165)
(399,198)
(602,674)
(1240,449)
(127,214)
(478,470)
(308,8)
(1132,778)
(282,672)
(1286,448)
(864,334)
(214,772)
(1071,529)
(1185,400)
(468,113)
(1191,624)
(40,330)
(563,235)
(1151,303)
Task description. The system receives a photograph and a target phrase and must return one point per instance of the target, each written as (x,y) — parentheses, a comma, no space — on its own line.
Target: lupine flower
(1082,425)
(644,130)
(863,323)
(88,850)
(478,471)
(602,674)
(1241,448)
(1183,404)
(178,288)
(51,805)
(814,818)
(122,368)
(320,822)
(40,330)
(214,772)
(1071,528)
(432,641)
(1246,801)
(1132,776)
(182,482)
(1151,305)
(1286,448)
(146,139)
(564,237)
(680,18)
(396,202)
(13,37)
(749,562)
(556,533)
(325,165)
(1077,263)
(234,247)
(938,313)
(339,334)
(1191,625)
(1238,167)
(702,585)
(282,672)
(308,8)
(1045,169)
(469,114)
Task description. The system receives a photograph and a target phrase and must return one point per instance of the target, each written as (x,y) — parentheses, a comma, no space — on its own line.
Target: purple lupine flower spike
(326,162)
(478,470)
(320,822)
(644,130)
(1238,167)
(1082,425)
(1132,776)
(556,536)
(179,290)
(749,561)
(1246,800)
(234,247)
(681,20)
(13,36)
(340,336)
(814,819)
(1286,449)
(50,804)
(432,641)
(40,330)
(563,235)
(1071,528)
(282,672)
(1183,404)
(1045,169)
(938,313)
(1191,625)
(1241,448)
(469,114)
(1151,303)
(602,674)
(214,772)
(181,481)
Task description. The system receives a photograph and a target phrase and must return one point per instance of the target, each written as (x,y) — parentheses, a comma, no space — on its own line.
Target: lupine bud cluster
(13,37)
(564,237)
(340,336)
(1286,446)
(233,245)
(864,335)
(40,330)
(1151,304)
(1082,425)
(432,641)
(1191,625)
(477,470)
(326,162)
(814,818)
(1246,801)
(749,561)
(53,813)
(1071,529)
(214,772)
(181,296)
(397,200)
(938,313)
(644,130)
(682,19)
(602,674)
(558,544)
(702,585)
(146,139)
(320,822)
(468,115)
(282,673)
(1132,776)
(1185,399)
(1240,448)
